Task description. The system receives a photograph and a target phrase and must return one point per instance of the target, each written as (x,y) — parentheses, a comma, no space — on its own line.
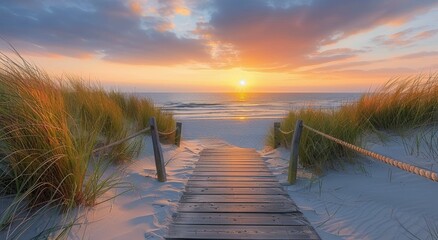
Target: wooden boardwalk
(233,195)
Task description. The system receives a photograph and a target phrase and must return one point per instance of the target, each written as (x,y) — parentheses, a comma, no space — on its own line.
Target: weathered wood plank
(235,191)
(287,207)
(232,184)
(230,163)
(233,158)
(240,232)
(241,174)
(230,169)
(235,153)
(230,154)
(261,165)
(234,179)
(187,198)
(277,219)
(228,150)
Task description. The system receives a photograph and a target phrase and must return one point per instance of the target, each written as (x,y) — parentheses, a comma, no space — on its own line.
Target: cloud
(403,38)
(267,35)
(259,35)
(420,55)
(173,7)
(113,30)
(333,55)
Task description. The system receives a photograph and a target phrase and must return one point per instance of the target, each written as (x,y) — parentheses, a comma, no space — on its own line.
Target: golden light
(242,82)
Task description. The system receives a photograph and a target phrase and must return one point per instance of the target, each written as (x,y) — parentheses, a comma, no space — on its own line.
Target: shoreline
(250,133)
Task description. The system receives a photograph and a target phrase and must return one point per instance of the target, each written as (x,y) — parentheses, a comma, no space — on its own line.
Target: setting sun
(242,82)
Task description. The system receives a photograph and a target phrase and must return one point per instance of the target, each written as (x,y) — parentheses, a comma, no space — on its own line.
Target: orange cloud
(136,7)
(183,11)
(172,7)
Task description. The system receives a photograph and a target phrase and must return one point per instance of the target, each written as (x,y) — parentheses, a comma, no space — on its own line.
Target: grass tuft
(48,131)
(399,104)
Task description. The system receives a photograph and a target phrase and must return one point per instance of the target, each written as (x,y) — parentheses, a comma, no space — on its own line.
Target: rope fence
(155,135)
(122,140)
(401,165)
(279,132)
(167,133)
(286,133)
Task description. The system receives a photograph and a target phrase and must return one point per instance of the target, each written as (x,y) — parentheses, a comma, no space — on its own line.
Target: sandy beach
(369,200)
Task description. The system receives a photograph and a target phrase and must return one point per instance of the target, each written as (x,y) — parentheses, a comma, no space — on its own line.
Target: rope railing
(286,133)
(158,153)
(401,165)
(122,140)
(167,133)
(279,132)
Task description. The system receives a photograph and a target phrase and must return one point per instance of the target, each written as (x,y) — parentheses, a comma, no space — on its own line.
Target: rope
(404,166)
(122,140)
(286,133)
(167,133)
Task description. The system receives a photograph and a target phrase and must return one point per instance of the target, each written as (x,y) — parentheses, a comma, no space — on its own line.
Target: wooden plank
(240,174)
(234,157)
(240,232)
(236,162)
(278,219)
(232,184)
(233,153)
(230,160)
(257,163)
(229,154)
(188,198)
(229,150)
(231,165)
(233,179)
(287,207)
(235,191)
(230,169)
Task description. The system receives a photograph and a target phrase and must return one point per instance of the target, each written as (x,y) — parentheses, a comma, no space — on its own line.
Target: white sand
(366,201)
(370,200)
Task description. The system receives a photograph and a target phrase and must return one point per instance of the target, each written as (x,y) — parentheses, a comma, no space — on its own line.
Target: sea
(241,119)
(241,106)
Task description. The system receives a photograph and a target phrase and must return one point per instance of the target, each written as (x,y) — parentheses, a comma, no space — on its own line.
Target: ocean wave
(257,106)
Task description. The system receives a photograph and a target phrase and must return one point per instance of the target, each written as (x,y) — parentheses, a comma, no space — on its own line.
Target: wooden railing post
(178,134)
(295,147)
(276,134)
(158,154)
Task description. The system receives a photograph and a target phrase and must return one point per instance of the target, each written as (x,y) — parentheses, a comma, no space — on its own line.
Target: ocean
(240,106)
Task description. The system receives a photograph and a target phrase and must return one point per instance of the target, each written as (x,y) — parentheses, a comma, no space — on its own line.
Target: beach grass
(49,128)
(400,104)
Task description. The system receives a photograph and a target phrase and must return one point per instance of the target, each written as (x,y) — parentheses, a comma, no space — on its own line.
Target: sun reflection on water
(242,96)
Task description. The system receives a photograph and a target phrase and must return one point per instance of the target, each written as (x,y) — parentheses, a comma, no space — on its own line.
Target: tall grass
(316,151)
(48,130)
(399,104)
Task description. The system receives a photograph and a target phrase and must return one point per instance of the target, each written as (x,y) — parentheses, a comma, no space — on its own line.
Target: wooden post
(295,147)
(276,134)
(178,134)
(158,154)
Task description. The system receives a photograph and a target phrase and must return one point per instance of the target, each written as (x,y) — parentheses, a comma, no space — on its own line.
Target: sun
(242,82)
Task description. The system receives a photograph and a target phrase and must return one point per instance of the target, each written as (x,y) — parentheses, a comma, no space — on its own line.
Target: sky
(226,45)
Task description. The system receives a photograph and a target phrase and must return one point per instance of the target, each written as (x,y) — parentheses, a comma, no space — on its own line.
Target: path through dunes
(233,195)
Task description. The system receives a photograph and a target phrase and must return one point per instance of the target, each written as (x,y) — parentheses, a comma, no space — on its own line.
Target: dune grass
(397,105)
(48,131)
